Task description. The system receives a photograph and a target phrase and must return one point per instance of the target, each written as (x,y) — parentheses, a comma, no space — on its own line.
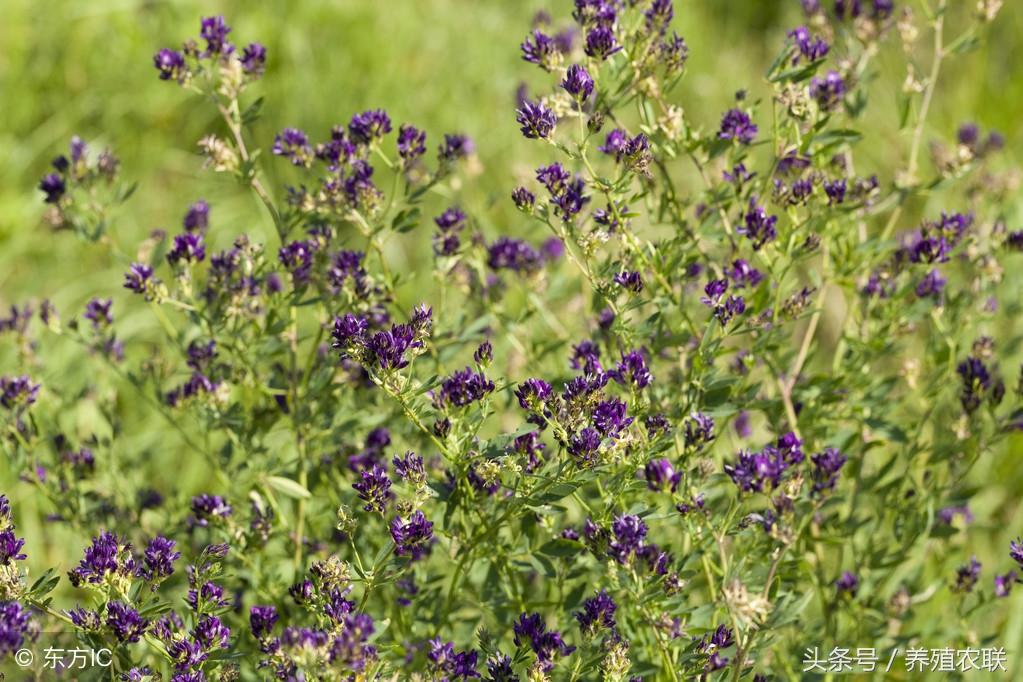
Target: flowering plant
(760,418)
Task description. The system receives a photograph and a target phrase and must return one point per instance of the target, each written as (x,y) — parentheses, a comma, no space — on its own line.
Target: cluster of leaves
(684,484)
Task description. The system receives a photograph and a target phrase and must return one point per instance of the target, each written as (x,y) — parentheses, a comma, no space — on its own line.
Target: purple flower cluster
(386,349)
(464,387)
(412,538)
(764,470)
(536,120)
(808,47)
(567,192)
(758,226)
(374,488)
(598,613)
(17,392)
(737,125)
(546,644)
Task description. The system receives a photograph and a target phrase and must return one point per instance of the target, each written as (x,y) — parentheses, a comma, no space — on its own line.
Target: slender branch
(925,106)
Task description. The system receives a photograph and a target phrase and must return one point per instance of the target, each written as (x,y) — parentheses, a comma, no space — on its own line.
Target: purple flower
(1016,551)
(455,147)
(349,330)
(214,31)
(14,626)
(601,43)
(10,547)
(828,91)
(158,559)
(743,274)
(583,446)
(525,200)
(810,48)
(297,258)
(631,280)
(540,49)
(931,285)
(533,394)
(262,620)
(389,347)
(301,592)
(52,185)
(188,247)
(546,644)
(629,531)
(411,143)
(759,227)
(699,429)
(614,143)
(198,217)
(207,508)
(737,125)
(598,613)
(578,82)
(752,472)
(1003,584)
(609,417)
(685,508)
(714,292)
(349,649)
(977,382)
(464,387)
(508,253)
(185,654)
(166,626)
(410,468)
(125,622)
(586,356)
(827,465)
(201,355)
(212,633)
(374,489)
(208,595)
(345,265)
(600,12)
(948,514)
(171,65)
(85,619)
(412,538)
(369,126)
(459,665)
(293,144)
(536,120)
(967,576)
(835,190)
(529,446)
(848,583)
(99,312)
(484,354)
(659,15)
(16,392)
(103,556)
(253,59)
(661,475)
(713,643)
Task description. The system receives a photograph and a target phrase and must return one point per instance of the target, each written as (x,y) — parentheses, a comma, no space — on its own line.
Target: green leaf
(560,548)
(406,220)
(288,487)
(556,493)
(835,137)
(252,112)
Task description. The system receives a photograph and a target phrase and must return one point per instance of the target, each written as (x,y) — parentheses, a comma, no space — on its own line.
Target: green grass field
(446,65)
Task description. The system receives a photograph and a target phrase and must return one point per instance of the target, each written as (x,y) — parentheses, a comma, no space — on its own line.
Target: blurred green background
(446,65)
